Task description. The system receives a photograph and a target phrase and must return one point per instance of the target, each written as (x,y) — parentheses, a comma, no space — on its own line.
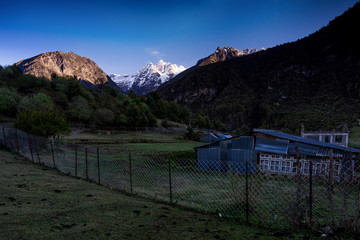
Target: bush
(104,116)
(191,134)
(164,123)
(43,123)
(8,101)
(79,109)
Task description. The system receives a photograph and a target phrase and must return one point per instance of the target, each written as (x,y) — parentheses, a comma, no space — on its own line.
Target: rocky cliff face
(225,53)
(64,64)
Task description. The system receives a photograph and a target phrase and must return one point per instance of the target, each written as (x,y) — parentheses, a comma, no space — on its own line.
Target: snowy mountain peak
(149,78)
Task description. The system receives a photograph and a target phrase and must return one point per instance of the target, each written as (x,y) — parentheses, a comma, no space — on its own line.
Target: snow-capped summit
(149,78)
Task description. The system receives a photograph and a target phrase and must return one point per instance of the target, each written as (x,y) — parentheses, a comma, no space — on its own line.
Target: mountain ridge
(149,78)
(66,64)
(221,54)
(226,53)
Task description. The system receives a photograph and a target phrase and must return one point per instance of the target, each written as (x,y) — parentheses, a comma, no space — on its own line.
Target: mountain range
(148,79)
(313,81)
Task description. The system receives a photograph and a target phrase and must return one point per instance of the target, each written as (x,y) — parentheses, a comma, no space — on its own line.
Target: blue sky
(122,36)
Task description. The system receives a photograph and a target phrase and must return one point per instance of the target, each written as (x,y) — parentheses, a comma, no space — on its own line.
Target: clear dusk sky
(122,36)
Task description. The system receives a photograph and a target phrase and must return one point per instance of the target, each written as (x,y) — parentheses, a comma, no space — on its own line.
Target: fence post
(298,210)
(247,191)
(36,149)
(76,160)
(130,173)
(98,163)
(52,152)
(5,143)
(330,190)
(86,165)
(311,193)
(32,157)
(17,140)
(170,186)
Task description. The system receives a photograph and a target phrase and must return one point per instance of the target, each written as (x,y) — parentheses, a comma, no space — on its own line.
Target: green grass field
(150,143)
(354,138)
(39,203)
(126,137)
(210,191)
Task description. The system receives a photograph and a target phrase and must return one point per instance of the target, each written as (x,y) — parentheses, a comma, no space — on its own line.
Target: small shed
(229,154)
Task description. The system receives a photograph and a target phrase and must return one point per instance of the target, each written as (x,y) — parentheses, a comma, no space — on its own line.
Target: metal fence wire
(314,196)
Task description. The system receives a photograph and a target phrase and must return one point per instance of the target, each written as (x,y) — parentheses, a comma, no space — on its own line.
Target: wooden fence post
(247,191)
(76,160)
(330,190)
(311,192)
(17,140)
(36,149)
(131,187)
(170,184)
(98,163)
(86,164)
(52,152)
(5,143)
(32,157)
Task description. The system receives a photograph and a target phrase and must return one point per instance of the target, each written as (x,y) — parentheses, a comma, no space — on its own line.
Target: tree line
(47,106)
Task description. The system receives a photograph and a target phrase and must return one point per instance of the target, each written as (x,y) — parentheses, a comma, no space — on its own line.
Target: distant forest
(62,100)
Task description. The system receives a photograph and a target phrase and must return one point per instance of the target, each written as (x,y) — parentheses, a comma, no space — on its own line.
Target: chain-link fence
(329,194)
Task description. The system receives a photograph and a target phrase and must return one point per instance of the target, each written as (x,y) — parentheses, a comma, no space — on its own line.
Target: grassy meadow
(354,137)
(37,202)
(136,141)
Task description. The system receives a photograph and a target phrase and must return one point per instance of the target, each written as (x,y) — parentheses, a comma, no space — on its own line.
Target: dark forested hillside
(314,81)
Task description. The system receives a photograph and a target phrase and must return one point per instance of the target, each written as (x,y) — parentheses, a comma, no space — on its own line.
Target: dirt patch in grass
(38,204)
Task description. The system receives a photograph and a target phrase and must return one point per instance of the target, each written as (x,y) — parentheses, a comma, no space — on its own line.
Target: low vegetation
(39,203)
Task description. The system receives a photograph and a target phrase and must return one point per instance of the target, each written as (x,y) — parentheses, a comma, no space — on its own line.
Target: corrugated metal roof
(267,145)
(243,142)
(295,138)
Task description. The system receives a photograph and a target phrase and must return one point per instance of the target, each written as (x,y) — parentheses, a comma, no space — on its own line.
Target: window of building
(286,166)
(274,165)
(313,137)
(336,169)
(264,165)
(327,138)
(306,169)
(338,138)
(318,169)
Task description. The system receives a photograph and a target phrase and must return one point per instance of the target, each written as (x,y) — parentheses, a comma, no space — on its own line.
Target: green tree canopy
(104,116)
(36,103)
(8,101)
(43,123)
(79,109)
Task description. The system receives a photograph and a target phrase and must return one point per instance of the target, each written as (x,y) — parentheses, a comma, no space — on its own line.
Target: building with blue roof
(214,136)
(270,151)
